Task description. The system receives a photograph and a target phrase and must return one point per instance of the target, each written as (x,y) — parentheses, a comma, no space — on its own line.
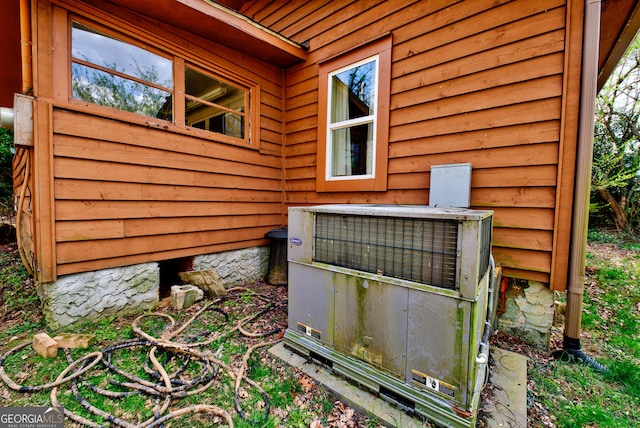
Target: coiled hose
(164,387)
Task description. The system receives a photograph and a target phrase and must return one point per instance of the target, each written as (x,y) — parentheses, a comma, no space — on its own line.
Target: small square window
(215,105)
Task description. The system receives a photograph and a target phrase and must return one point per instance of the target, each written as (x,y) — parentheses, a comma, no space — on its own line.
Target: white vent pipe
(6,118)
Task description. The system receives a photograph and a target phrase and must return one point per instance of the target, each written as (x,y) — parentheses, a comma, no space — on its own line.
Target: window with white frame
(353,119)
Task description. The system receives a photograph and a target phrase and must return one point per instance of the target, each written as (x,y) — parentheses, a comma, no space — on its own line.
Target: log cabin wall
(118,188)
(487,82)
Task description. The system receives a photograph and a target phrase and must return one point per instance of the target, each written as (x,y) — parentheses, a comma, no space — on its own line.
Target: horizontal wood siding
(128,193)
(144,194)
(472,81)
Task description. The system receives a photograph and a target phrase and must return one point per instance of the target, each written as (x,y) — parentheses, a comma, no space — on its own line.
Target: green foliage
(6,155)
(623,240)
(18,296)
(601,237)
(615,179)
(625,373)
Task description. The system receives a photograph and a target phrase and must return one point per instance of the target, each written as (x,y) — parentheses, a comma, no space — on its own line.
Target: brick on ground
(44,345)
(74,340)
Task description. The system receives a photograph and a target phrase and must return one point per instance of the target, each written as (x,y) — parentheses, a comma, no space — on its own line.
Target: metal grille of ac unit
(414,249)
(485,246)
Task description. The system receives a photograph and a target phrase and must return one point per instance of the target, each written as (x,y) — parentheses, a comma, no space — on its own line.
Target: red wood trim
(568,143)
(178,92)
(321,171)
(150,122)
(246,26)
(219,23)
(384,101)
(255,122)
(44,233)
(91,265)
(525,274)
(61,73)
(283,150)
(356,52)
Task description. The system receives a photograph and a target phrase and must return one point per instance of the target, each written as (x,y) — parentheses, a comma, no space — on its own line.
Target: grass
(622,240)
(18,298)
(575,395)
(28,368)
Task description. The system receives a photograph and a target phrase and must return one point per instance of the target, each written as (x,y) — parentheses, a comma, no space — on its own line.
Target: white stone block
(183,296)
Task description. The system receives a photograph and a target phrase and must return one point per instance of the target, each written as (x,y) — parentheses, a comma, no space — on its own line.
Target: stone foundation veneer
(236,267)
(90,296)
(529,313)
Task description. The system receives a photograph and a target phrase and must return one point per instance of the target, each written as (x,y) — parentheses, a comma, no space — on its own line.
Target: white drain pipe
(584,161)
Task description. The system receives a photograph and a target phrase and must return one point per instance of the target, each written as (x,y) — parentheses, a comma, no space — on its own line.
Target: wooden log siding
(147,194)
(125,192)
(478,82)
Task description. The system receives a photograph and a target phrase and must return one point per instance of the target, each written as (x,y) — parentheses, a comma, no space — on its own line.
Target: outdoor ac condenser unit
(395,298)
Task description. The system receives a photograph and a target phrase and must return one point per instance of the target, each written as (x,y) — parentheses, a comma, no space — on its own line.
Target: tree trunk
(618,209)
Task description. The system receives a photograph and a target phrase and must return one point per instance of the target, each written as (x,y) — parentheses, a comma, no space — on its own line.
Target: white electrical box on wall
(450,185)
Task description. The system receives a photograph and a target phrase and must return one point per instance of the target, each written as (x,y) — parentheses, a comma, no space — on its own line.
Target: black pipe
(572,352)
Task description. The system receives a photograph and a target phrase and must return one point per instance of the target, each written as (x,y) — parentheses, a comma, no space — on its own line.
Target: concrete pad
(508,406)
(364,402)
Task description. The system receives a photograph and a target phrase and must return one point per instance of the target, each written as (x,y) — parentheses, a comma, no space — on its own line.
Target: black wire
(243,415)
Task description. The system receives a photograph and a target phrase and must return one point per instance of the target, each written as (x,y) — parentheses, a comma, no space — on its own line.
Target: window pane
(213,119)
(353,92)
(106,89)
(91,46)
(210,89)
(219,107)
(352,151)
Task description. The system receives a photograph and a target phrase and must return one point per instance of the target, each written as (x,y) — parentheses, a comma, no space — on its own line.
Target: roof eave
(219,24)
(619,24)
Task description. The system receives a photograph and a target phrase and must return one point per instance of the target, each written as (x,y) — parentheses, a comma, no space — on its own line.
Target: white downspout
(580,222)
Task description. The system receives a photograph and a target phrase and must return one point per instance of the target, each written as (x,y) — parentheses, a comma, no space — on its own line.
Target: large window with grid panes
(112,70)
